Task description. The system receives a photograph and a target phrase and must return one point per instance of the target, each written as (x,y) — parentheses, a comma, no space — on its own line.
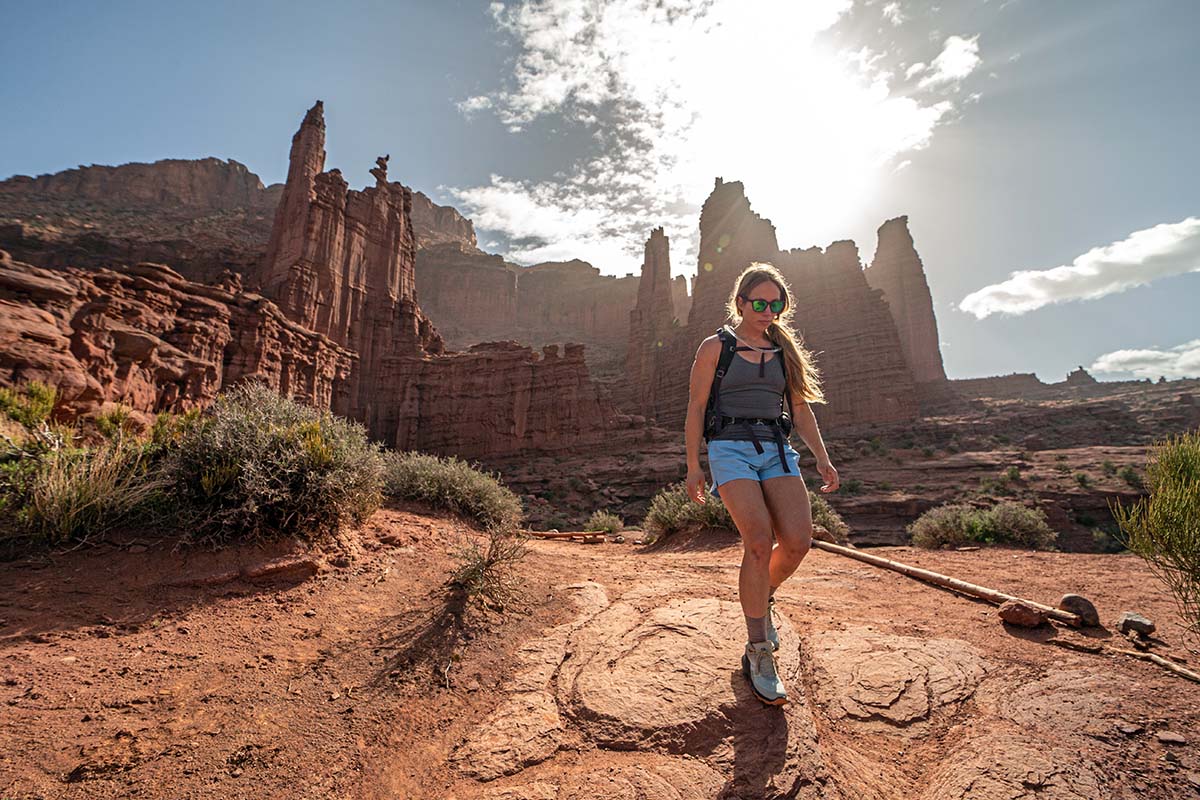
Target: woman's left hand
(830,475)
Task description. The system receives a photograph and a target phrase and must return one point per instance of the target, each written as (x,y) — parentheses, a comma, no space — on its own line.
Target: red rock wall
(436,224)
(469,295)
(147,338)
(1004,386)
(207,183)
(897,271)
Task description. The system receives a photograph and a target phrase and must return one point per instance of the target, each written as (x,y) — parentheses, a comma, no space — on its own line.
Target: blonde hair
(804,379)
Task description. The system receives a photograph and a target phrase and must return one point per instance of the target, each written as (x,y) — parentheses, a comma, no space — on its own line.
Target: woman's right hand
(695,485)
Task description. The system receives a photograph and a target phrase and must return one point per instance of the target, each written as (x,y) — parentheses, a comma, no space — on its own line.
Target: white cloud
(915,69)
(474,104)
(1181,361)
(1158,252)
(958,59)
(675,93)
(891,12)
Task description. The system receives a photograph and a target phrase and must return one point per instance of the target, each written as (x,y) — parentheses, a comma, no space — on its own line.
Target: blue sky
(1051,139)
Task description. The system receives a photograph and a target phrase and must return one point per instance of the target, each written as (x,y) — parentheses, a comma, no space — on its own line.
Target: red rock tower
(652,322)
(898,272)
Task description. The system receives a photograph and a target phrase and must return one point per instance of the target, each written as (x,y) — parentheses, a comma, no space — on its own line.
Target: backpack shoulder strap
(728,345)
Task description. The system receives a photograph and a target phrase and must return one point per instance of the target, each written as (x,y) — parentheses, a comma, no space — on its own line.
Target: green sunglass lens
(776,306)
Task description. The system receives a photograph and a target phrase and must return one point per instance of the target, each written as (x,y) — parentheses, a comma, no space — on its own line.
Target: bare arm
(805,424)
(700,384)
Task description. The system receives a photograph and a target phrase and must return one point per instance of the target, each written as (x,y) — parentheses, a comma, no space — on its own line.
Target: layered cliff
(146,338)
(897,271)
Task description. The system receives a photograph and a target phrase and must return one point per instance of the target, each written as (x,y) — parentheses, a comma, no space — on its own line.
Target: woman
(755,470)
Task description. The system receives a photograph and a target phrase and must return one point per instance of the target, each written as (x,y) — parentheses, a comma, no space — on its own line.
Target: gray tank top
(745,394)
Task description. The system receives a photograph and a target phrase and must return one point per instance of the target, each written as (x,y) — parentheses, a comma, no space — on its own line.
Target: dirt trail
(620,678)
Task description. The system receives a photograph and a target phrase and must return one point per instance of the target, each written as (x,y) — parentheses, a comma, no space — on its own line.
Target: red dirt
(361,681)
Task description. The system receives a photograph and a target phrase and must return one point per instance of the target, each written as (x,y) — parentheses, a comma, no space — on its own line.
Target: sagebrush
(455,486)
(261,466)
(1004,523)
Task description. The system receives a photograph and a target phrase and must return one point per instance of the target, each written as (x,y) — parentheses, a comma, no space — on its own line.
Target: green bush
(1131,477)
(1083,480)
(1108,467)
(604,521)
(1013,474)
(1005,523)
(455,486)
(52,493)
(29,405)
(261,466)
(1164,527)
(118,421)
(853,486)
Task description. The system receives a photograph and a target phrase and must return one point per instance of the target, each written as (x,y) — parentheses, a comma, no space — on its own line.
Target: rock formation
(341,262)
(1080,377)
(652,323)
(898,272)
(345,331)
(150,340)
(207,183)
(841,318)
(436,225)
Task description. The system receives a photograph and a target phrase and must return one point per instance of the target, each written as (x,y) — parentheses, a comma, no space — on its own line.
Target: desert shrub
(1013,473)
(853,486)
(927,451)
(116,422)
(824,515)
(1164,527)
(672,511)
(1005,523)
(604,521)
(1083,480)
(77,493)
(30,405)
(1131,477)
(485,570)
(455,486)
(1109,467)
(259,465)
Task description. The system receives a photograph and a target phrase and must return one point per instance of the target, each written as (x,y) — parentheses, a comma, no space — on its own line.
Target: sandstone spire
(650,321)
(898,272)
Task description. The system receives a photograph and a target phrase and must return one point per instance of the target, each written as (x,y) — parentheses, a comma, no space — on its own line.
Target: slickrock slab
(647,776)
(1006,764)
(526,728)
(891,681)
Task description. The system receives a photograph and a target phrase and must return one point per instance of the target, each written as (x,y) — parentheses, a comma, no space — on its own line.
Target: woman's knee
(756,542)
(796,542)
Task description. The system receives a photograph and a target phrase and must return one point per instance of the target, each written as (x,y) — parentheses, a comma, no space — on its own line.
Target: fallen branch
(972,589)
(1171,665)
(586,537)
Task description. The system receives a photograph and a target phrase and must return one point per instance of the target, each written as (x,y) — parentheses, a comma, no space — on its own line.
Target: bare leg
(744,499)
(786,499)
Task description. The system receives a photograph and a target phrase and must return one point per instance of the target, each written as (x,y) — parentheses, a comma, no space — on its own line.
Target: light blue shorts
(730,459)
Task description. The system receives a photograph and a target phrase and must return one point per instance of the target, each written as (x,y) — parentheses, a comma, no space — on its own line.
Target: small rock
(340,561)
(1170,737)
(1081,606)
(334,696)
(137,548)
(619,539)
(967,549)
(1023,614)
(312,612)
(1171,757)
(1194,779)
(1128,728)
(1131,621)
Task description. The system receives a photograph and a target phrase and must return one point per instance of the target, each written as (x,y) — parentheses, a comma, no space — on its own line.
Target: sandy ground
(129,670)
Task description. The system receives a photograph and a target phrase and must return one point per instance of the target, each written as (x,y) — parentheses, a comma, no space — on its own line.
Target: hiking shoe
(758,665)
(772,634)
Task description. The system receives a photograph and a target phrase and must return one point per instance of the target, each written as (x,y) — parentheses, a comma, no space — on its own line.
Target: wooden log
(587,537)
(972,589)
(1171,665)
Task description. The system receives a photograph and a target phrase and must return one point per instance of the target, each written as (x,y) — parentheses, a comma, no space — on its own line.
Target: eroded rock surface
(893,681)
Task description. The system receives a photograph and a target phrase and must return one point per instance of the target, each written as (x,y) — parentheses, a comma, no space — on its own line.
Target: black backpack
(715,421)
